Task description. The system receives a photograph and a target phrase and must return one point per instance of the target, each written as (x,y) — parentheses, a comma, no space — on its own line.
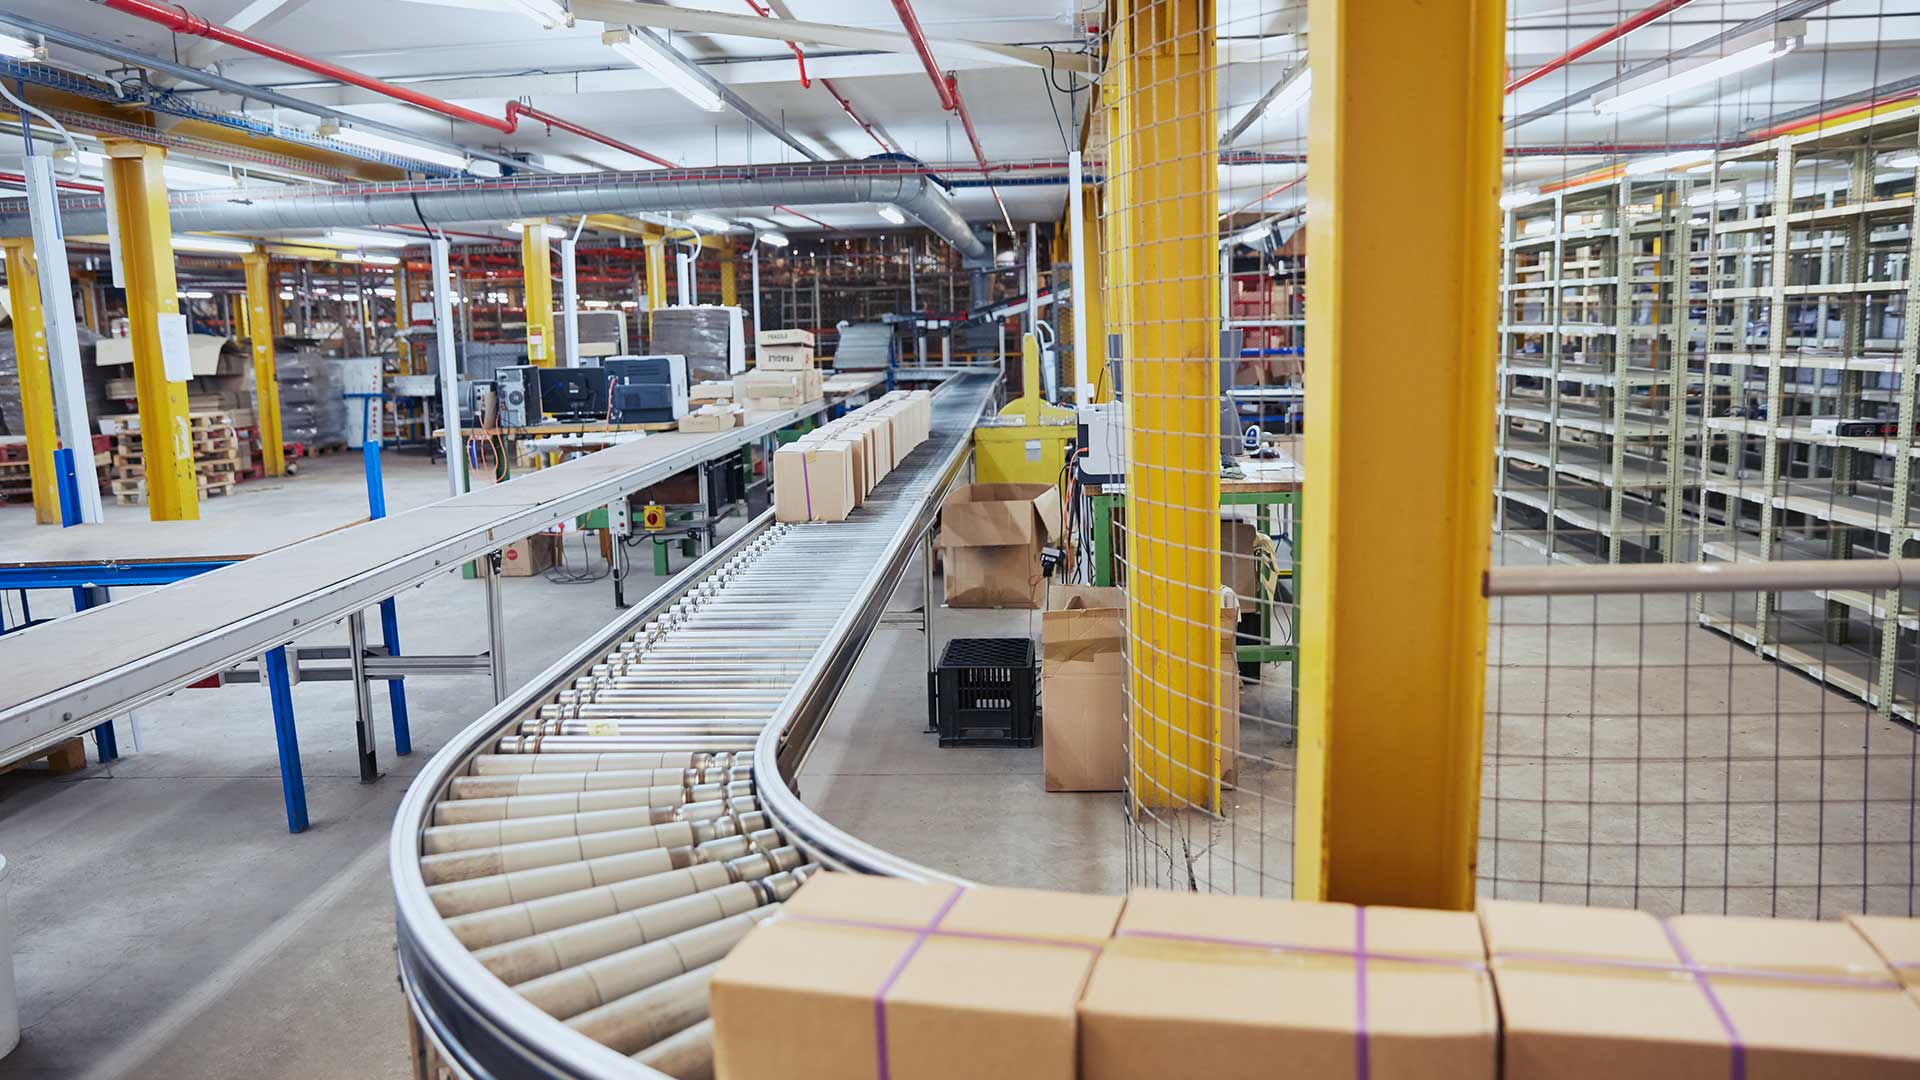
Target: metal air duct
(446,202)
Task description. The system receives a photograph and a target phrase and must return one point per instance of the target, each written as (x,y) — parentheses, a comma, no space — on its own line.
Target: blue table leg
(292,785)
(389,612)
(105,743)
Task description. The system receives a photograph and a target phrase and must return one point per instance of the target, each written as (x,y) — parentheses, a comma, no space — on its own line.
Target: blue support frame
(389,611)
(293,785)
(106,742)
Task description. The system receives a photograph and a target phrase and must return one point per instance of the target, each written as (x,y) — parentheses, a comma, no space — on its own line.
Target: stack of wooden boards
(865,976)
(217,457)
(16,473)
(830,470)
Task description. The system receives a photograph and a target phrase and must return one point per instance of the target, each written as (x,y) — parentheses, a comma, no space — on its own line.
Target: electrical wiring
(561,575)
(73,168)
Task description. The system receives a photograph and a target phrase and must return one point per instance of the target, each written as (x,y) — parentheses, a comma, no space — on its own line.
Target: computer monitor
(573,393)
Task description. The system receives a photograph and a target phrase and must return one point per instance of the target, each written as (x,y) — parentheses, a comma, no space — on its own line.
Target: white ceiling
(481,59)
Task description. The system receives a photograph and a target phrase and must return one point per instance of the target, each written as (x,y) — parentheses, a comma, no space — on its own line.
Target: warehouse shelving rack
(1634,427)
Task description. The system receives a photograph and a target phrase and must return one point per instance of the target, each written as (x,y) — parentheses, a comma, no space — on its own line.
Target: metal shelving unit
(1636,427)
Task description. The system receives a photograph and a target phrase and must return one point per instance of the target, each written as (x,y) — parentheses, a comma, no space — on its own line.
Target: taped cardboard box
(708,392)
(1083,669)
(1232,987)
(784,358)
(990,539)
(1898,943)
(710,418)
(1588,993)
(858,969)
(813,482)
(764,338)
(772,390)
(531,555)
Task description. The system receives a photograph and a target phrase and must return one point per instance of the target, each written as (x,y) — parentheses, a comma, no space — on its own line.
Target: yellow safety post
(266,380)
(536,263)
(729,280)
(1399,448)
(36,379)
(146,247)
(656,276)
(1167,130)
(89,300)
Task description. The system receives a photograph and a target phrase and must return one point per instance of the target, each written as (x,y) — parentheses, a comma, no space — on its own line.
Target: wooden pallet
(132,491)
(62,758)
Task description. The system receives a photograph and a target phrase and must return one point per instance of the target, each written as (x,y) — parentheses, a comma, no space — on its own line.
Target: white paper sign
(176,358)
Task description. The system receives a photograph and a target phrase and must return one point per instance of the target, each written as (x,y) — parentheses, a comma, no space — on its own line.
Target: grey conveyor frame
(64,677)
(472,1023)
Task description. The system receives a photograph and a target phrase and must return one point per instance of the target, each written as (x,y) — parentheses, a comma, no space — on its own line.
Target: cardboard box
(813,482)
(1227,697)
(1083,698)
(990,536)
(1239,563)
(1594,992)
(784,358)
(764,338)
(1898,943)
(703,393)
(710,418)
(777,390)
(534,555)
(858,966)
(1231,987)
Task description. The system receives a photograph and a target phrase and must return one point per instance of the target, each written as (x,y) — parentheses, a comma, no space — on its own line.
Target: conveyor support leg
(293,786)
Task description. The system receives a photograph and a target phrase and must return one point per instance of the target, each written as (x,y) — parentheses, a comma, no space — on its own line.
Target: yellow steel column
(729,280)
(146,245)
(1399,453)
(36,379)
(656,242)
(536,262)
(266,381)
(1168,129)
(89,300)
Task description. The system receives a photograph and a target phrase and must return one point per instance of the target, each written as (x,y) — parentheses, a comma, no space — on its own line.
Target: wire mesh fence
(1704,358)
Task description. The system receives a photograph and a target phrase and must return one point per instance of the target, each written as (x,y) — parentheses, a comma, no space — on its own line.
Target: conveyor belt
(570,868)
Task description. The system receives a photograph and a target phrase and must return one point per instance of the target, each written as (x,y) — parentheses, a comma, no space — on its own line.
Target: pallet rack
(1633,427)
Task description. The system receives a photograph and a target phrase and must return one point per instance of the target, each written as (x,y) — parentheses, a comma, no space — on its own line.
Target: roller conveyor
(569,870)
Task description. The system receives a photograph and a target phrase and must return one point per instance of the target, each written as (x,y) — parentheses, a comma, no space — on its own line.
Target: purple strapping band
(806,488)
(1738,1070)
(1359,954)
(880,996)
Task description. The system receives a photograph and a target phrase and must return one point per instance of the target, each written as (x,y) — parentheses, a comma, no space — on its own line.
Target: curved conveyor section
(569,869)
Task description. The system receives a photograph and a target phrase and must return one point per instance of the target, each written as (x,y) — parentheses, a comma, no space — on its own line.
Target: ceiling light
(1654,94)
(648,53)
(1254,236)
(545,12)
(212,244)
(1680,162)
(629,304)
(1519,197)
(893,214)
(12,48)
(355,238)
(709,222)
(402,148)
(194,294)
(774,239)
(519,228)
(375,260)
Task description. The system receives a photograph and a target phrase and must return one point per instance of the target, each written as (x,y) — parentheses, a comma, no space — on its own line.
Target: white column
(1077,241)
(449,363)
(63,344)
(570,296)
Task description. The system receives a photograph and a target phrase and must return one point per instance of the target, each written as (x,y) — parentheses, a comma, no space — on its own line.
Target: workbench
(1268,485)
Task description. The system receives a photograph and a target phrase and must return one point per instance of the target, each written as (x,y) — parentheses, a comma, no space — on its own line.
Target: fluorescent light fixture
(1904,161)
(629,304)
(1254,236)
(356,238)
(15,49)
(519,228)
(1680,162)
(774,239)
(645,52)
(545,12)
(1656,93)
(1519,197)
(709,222)
(402,148)
(596,305)
(194,294)
(211,244)
(1293,95)
(376,260)
(892,214)
(385,291)
(286,294)
(1713,196)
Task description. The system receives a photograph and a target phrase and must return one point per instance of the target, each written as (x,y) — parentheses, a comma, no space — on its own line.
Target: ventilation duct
(448,202)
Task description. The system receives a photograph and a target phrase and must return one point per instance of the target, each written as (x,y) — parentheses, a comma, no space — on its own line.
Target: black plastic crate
(987,692)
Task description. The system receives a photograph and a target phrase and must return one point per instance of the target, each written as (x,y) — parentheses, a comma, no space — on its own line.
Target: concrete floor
(169,927)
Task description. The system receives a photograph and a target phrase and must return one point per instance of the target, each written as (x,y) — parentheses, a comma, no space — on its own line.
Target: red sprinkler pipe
(179,20)
(847,107)
(1604,37)
(68,185)
(800,57)
(941,84)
